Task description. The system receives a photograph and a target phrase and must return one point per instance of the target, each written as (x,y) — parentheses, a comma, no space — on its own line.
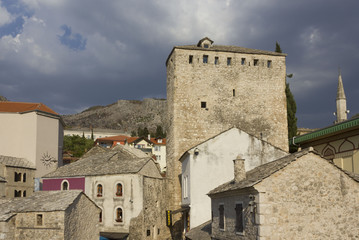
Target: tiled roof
(261,172)
(21,107)
(118,160)
(113,138)
(41,201)
(15,162)
(155,141)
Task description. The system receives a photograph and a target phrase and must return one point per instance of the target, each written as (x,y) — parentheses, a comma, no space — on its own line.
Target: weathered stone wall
(7,229)
(309,199)
(257,107)
(52,228)
(11,185)
(229,203)
(150,223)
(82,220)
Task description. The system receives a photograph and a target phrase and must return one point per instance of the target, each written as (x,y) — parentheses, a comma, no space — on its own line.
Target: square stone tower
(211,88)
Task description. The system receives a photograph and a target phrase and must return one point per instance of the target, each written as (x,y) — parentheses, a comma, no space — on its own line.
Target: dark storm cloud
(124,46)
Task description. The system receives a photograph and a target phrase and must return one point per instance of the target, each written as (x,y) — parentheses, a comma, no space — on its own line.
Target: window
(100,216)
(185,185)
(216,60)
(205,45)
(148,232)
(229,61)
(17,177)
(221,216)
(243,61)
(65,185)
(119,190)
(203,104)
(234,92)
(269,64)
(99,190)
(158,157)
(17,193)
(190,59)
(205,58)
(239,218)
(24,177)
(119,216)
(39,220)
(24,194)
(255,62)
(157,148)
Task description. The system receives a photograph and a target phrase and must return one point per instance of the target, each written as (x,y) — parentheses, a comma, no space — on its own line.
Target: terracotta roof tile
(21,107)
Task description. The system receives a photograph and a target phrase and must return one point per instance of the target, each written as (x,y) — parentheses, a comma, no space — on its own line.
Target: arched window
(99,190)
(65,185)
(119,190)
(119,215)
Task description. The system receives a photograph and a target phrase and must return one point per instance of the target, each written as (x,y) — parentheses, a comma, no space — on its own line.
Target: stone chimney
(239,169)
(149,137)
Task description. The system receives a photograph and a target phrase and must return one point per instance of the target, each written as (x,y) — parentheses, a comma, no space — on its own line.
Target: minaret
(341,102)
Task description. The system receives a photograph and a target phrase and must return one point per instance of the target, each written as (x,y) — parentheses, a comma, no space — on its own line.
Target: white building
(210,164)
(96,132)
(34,132)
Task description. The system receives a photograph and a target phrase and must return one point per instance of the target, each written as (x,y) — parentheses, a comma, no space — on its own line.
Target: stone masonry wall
(52,228)
(309,199)
(7,229)
(257,107)
(81,220)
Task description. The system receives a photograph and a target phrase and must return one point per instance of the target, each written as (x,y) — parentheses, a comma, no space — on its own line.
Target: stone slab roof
(15,162)
(118,160)
(201,232)
(261,172)
(43,201)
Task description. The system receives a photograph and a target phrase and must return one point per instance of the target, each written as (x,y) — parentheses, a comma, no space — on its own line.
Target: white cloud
(5,16)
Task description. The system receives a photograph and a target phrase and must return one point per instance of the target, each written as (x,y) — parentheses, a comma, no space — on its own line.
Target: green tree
(291,107)
(133,134)
(159,132)
(77,145)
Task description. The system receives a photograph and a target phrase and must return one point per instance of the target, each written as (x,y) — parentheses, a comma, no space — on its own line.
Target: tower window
(269,64)
(255,62)
(234,92)
(148,232)
(190,59)
(99,190)
(243,61)
(119,190)
(119,215)
(216,60)
(205,58)
(203,104)
(229,61)
(39,220)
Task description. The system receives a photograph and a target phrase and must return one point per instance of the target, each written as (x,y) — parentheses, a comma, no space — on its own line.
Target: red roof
(119,138)
(155,141)
(21,107)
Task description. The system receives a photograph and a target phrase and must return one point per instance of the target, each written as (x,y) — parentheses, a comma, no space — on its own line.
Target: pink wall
(55,184)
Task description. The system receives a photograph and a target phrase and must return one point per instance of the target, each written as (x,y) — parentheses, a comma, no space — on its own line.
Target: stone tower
(341,102)
(211,88)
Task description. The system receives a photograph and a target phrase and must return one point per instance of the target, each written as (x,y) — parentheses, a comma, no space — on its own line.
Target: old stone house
(208,164)
(125,183)
(300,196)
(32,131)
(18,177)
(211,88)
(57,215)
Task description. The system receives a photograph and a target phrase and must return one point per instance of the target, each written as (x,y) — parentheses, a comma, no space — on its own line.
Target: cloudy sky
(71,55)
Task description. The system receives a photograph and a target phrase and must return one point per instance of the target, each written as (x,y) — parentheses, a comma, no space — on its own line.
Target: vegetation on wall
(77,145)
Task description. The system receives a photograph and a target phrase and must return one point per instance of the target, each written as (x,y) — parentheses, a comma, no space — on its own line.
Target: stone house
(300,196)
(211,88)
(125,183)
(57,215)
(18,177)
(32,131)
(214,157)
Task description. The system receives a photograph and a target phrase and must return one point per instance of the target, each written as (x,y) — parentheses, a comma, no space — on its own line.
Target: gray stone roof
(201,232)
(15,162)
(43,201)
(118,160)
(261,172)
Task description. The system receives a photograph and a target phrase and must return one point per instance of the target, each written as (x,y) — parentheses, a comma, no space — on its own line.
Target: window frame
(239,225)
(62,185)
(37,217)
(205,59)
(116,189)
(221,219)
(99,194)
(216,60)
(116,217)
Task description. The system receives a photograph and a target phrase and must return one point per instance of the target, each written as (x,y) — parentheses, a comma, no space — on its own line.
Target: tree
(77,145)
(291,107)
(159,132)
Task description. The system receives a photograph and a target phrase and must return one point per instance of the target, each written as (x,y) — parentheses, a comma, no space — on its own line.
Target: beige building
(32,131)
(301,196)
(125,183)
(211,88)
(18,177)
(57,215)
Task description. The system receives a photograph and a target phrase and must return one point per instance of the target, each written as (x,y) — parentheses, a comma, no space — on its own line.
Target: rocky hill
(125,115)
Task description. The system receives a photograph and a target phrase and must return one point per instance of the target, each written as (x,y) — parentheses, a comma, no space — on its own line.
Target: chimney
(149,137)
(239,169)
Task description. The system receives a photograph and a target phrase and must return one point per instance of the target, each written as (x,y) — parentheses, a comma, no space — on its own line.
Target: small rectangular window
(190,59)
(234,92)
(24,177)
(203,104)
(205,58)
(243,61)
(239,218)
(229,61)
(221,217)
(39,220)
(269,64)
(148,232)
(216,60)
(255,62)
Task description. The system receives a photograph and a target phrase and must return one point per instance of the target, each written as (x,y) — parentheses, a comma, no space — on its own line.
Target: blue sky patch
(74,41)
(13,28)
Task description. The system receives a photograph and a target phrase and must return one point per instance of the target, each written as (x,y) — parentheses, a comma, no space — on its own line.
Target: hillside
(125,115)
